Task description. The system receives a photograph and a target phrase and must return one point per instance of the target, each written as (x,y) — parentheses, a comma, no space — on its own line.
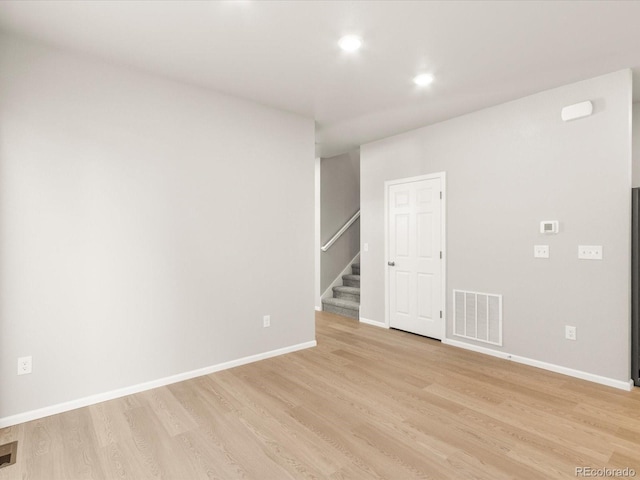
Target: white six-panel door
(415,264)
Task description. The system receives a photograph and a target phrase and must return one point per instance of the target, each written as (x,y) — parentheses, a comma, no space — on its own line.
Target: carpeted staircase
(346,298)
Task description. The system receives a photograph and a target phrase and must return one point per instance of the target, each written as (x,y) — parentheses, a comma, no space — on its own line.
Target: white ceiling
(284,53)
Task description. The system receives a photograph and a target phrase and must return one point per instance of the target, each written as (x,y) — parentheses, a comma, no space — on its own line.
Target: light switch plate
(541,251)
(590,252)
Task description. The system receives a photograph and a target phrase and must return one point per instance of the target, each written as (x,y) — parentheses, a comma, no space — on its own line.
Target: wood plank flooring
(367,403)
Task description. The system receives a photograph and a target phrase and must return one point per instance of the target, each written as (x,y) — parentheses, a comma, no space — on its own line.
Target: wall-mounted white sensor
(549,226)
(579,110)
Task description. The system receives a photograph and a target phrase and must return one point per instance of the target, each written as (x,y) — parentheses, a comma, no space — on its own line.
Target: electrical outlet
(570,332)
(590,252)
(266,321)
(24,365)
(541,251)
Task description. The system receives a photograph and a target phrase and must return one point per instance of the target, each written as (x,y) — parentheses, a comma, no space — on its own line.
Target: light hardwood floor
(366,403)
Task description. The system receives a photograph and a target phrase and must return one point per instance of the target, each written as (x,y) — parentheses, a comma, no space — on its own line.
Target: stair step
(347,293)
(343,307)
(355,268)
(351,280)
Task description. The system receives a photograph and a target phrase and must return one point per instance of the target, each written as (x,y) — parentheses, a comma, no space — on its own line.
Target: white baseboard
(375,323)
(318,309)
(622,385)
(121,392)
(328,293)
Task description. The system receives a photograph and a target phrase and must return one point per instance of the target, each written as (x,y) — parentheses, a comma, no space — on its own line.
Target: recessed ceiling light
(423,79)
(350,43)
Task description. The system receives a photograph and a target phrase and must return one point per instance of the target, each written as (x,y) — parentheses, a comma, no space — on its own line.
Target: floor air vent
(478,316)
(8,454)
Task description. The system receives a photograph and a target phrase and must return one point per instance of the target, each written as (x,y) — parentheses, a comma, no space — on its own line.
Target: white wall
(509,167)
(146,226)
(636,145)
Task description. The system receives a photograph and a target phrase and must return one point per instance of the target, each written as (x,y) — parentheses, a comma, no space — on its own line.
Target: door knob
(391,264)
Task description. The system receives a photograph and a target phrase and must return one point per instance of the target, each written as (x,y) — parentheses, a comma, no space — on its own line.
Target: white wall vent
(478,316)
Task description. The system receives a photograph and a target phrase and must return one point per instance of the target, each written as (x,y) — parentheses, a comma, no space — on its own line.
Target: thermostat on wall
(549,226)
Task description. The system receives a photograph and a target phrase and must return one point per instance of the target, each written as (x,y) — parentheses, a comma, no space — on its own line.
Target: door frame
(635,286)
(443,243)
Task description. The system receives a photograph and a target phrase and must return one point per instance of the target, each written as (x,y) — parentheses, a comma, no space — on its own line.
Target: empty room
(260,239)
